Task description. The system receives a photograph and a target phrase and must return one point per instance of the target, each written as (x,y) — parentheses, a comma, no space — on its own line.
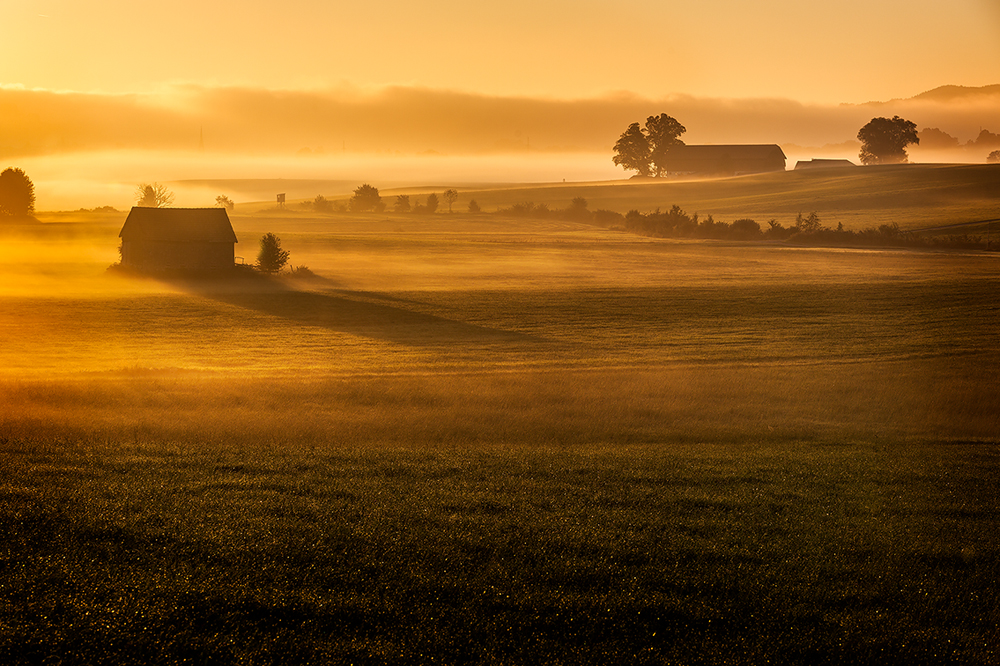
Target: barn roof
(747,151)
(203,225)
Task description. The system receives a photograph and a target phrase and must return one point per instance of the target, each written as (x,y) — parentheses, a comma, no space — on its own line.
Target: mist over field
(342,333)
(86,149)
(496,439)
(502,436)
(502,403)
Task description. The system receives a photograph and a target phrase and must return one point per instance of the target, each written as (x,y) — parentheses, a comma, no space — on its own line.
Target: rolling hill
(913,196)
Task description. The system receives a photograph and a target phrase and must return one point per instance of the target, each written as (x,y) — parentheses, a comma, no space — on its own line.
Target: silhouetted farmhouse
(196,239)
(820,163)
(724,159)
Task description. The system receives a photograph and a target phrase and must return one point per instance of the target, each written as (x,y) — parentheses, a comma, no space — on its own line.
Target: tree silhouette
(450,197)
(366,198)
(809,225)
(632,150)
(17,193)
(663,133)
(321,204)
(271,258)
(225,202)
(474,207)
(153,196)
(432,202)
(994,157)
(578,209)
(402,204)
(645,150)
(884,141)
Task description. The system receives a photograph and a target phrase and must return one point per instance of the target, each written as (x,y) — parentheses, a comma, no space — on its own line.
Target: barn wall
(724,165)
(167,255)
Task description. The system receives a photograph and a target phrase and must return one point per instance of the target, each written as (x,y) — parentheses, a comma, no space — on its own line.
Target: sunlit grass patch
(897,401)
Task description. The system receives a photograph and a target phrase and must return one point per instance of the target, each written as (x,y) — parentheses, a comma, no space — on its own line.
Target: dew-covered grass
(478,443)
(750,551)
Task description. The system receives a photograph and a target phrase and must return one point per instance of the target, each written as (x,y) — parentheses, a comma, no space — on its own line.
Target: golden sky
(97,96)
(812,52)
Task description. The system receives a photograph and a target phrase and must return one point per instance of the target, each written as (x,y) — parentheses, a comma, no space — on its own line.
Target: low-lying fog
(88,150)
(109,178)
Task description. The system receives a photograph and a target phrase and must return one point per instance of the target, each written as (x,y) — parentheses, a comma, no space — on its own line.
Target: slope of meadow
(914,196)
(483,440)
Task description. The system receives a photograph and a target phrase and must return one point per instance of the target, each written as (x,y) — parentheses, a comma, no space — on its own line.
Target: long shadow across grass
(345,311)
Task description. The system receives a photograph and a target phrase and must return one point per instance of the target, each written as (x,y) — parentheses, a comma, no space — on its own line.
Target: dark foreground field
(502,444)
(750,551)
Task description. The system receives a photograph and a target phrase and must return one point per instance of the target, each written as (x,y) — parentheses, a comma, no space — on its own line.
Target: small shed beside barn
(196,239)
(821,163)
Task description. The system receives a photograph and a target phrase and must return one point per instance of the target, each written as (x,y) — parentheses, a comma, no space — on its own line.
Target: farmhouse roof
(202,225)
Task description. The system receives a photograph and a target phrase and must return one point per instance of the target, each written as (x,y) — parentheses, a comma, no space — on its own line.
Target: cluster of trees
(932,137)
(403,204)
(450,196)
(807,230)
(577,211)
(645,149)
(884,141)
(675,223)
(17,194)
(366,198)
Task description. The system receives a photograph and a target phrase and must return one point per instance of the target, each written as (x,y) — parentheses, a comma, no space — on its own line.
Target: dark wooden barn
(712,160)
(195,239)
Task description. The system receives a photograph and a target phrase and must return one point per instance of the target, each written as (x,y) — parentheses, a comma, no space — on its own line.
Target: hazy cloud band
(413,120)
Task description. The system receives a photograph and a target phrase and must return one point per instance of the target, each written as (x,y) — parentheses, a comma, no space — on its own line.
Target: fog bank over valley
(86,149)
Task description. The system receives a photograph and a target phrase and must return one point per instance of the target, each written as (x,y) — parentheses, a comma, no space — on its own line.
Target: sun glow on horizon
(315,88)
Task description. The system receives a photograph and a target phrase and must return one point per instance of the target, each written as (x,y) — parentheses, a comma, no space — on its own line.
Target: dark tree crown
(645,149)
(17,193)
(366,197)
(271,258)
(884,140)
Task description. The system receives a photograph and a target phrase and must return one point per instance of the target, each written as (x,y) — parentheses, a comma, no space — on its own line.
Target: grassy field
(483,440)
(914,196)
